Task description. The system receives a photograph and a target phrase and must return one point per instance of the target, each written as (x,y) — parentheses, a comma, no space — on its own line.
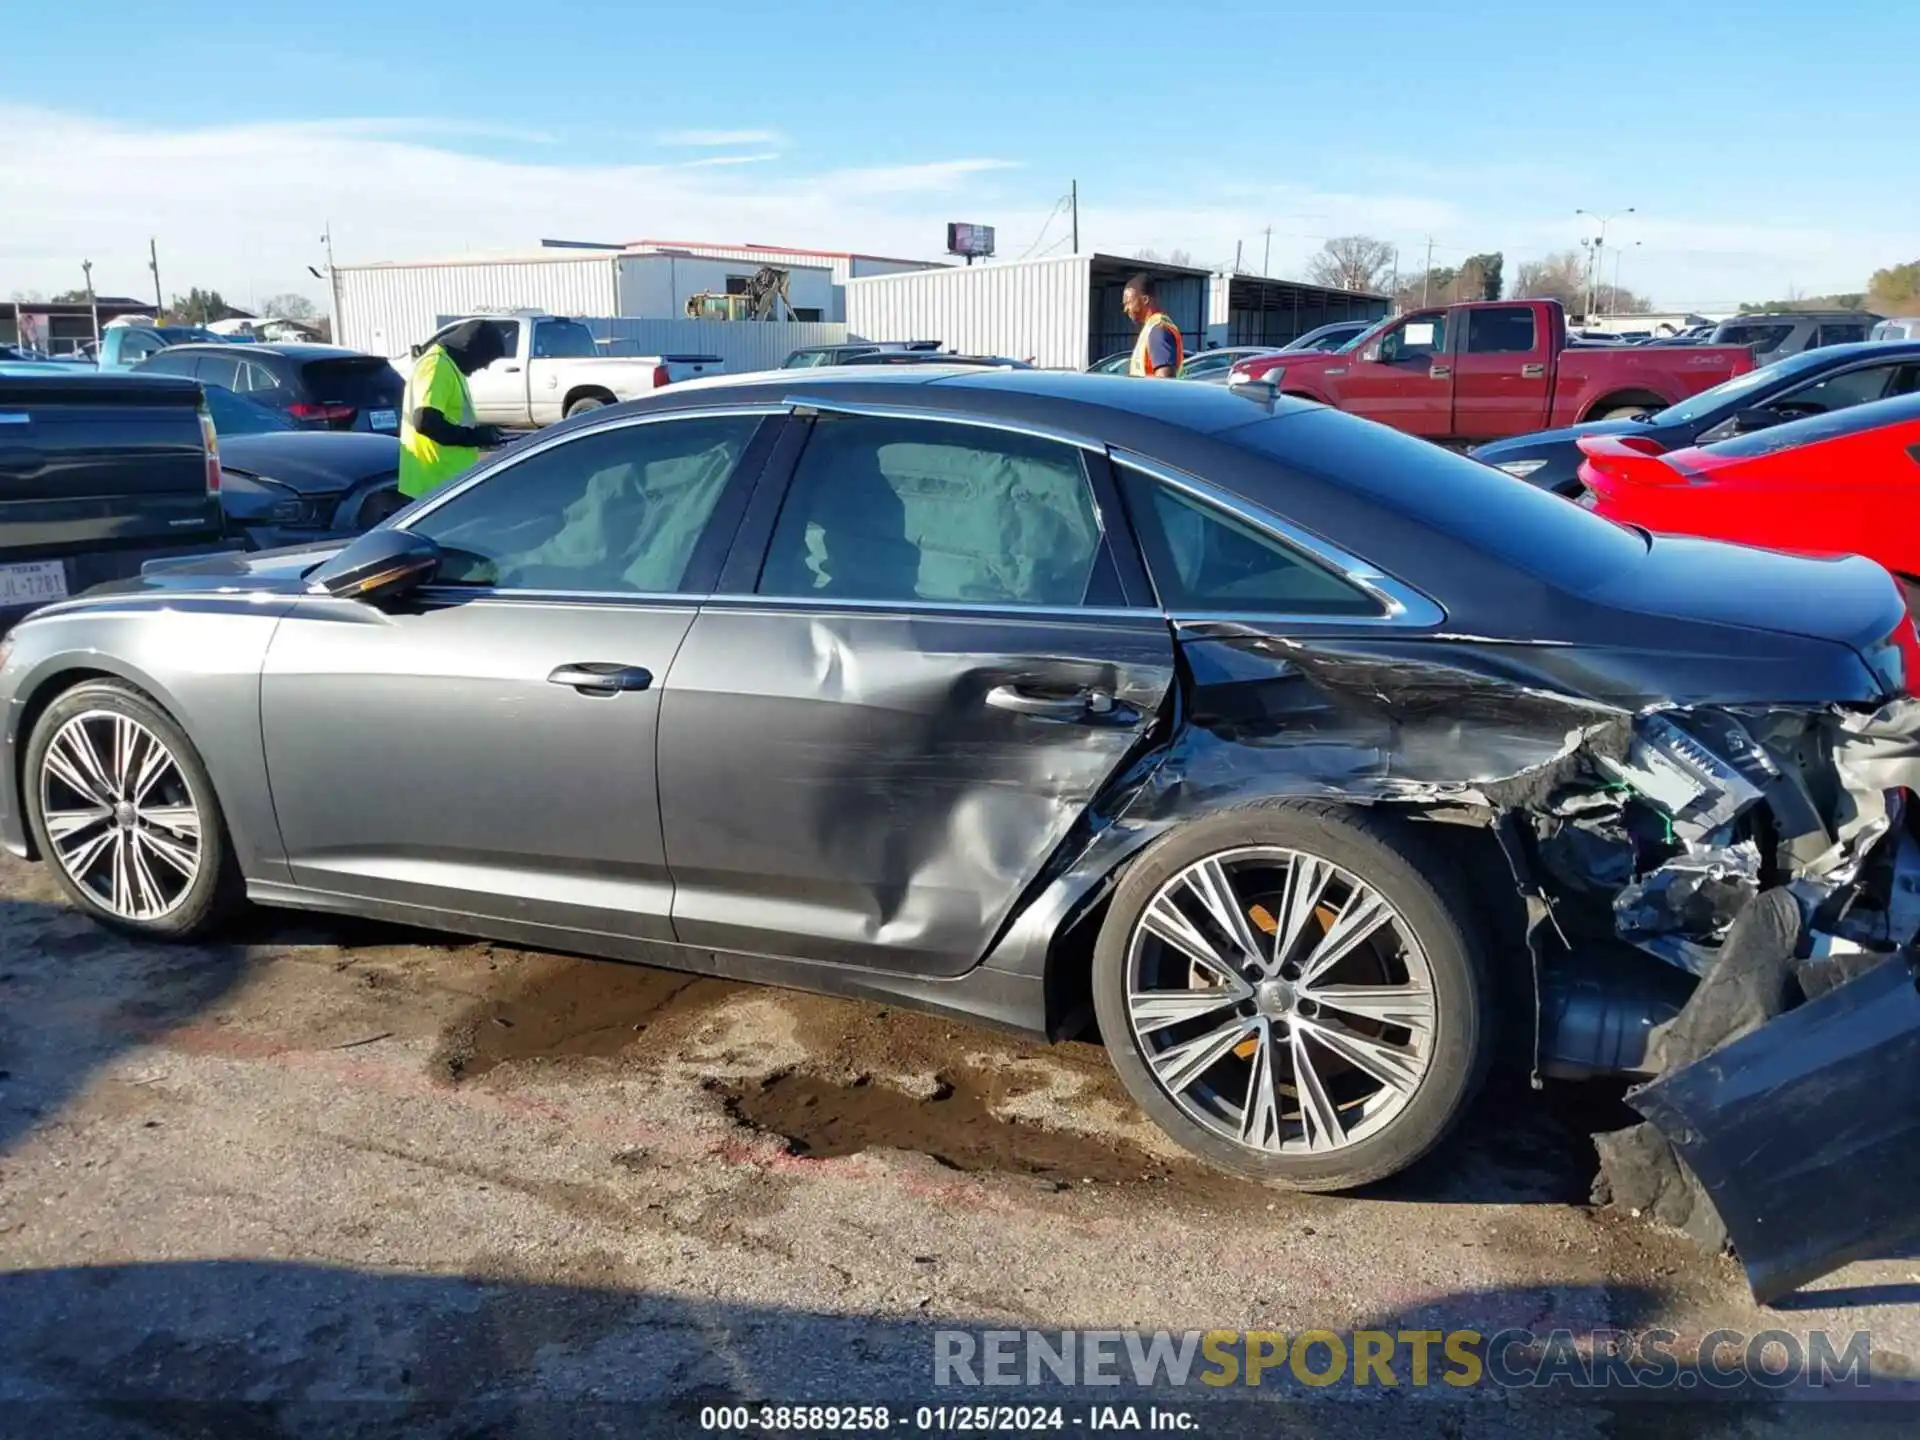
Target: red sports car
(1843,483)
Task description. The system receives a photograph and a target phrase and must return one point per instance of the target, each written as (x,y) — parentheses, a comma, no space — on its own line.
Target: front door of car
(486,747)
(1403,377)
(1500,373)
(923,667)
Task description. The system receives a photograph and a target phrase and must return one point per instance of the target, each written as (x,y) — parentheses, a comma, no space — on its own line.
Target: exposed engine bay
(1769,855)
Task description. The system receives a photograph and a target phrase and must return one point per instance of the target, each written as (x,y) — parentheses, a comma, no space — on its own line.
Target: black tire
(586,403)
(1387,856)
(216,889)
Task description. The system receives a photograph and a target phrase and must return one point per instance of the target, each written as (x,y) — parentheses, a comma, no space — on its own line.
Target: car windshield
(236,415)
(1531,529)
(1710,402)
(563,340)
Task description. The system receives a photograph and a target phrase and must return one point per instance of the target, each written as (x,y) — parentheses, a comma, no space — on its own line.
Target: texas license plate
(383,419)
(39,580)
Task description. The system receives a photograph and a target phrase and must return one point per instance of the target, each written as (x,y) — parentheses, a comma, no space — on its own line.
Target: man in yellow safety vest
(438,439)
(1158,353)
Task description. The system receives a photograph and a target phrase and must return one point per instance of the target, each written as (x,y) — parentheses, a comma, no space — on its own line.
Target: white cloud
(241,208)
(722,137)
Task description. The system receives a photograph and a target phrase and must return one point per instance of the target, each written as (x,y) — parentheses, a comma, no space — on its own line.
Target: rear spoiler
(1634,459)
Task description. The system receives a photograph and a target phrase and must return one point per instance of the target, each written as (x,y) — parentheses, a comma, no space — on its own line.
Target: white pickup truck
(552,368)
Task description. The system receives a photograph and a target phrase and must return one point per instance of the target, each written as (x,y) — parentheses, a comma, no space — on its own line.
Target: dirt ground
(352,1178)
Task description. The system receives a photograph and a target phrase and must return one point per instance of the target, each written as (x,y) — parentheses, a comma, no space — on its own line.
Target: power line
(1060,207)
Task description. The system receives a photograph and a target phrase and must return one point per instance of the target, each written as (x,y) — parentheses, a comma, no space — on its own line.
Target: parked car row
(1248,730)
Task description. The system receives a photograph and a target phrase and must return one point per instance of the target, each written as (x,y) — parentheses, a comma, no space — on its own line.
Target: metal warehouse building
(1063,313)
(1253,310)
(387,307)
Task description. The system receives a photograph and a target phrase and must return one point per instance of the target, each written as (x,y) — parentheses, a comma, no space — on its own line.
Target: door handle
(1086,704)
(1439,372)
(598,677)
(1533,372)
(509,369)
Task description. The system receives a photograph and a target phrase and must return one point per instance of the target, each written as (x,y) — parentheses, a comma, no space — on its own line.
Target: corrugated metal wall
(385,309)
(1034,309)
(744,344)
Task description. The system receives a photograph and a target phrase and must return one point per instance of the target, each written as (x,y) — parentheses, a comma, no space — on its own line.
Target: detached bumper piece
(1805,1133)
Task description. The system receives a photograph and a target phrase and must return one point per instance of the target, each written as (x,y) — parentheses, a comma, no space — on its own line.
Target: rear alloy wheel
(123,809)
(584,404)
(1290,999)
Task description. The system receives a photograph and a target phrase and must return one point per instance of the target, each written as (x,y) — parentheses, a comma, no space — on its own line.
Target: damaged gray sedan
(1304,762)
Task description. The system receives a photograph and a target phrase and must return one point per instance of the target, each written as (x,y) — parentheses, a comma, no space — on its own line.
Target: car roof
(290,350)
(1800,315)
(1040,396)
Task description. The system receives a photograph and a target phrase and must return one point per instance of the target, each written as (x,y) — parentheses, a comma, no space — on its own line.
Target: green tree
(1490,271)
(1896,289)
(290,306)
(200,307)
(70,297)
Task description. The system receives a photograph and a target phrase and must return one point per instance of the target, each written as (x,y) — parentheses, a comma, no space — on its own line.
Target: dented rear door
(926,673)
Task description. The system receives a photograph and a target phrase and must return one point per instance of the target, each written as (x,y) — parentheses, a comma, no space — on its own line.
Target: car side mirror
(381,565)
(1371,354)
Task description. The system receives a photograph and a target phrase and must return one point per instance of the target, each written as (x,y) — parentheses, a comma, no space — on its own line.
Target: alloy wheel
(1280,1001)
(120,815)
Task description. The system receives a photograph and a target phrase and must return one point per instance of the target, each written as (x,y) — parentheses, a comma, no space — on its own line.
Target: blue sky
(1765,145)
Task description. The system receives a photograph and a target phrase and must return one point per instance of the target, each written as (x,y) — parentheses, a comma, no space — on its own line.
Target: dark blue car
(1813,382)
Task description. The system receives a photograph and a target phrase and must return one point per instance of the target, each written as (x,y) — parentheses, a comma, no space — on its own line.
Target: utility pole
(1618,251)
(1393,278)
(93,303)
(1236,257)
(153,264)
(1073,199)
(1266,257)
(1426,276)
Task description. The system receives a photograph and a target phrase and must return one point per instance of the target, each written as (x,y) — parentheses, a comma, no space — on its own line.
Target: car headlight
(1520,469)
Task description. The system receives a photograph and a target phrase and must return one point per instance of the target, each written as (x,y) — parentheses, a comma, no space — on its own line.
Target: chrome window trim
(1402,606)
(906,609)
(542,445)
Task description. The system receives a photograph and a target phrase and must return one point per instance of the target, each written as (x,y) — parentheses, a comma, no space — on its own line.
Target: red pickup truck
(1463,374)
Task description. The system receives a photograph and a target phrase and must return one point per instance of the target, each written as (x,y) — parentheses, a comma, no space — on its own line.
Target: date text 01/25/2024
(949,1419)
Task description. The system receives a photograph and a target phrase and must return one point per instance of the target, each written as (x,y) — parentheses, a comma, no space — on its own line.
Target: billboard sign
(969,240)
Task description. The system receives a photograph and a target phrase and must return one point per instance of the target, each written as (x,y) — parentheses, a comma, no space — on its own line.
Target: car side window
(1420,337)
(1837,392)
(923,510)
(256,379)
(1843,333)
(218,370)
(617,510)
(163,363)
(1506,330)
(1204,559)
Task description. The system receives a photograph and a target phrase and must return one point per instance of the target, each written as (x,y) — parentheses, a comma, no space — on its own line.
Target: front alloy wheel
(1293,993)
(1280,1002)
(120,815)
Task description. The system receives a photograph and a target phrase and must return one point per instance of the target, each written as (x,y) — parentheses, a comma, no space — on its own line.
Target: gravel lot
(329,1163)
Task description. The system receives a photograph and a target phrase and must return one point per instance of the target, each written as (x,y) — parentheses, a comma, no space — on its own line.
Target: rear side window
(1508,330)
(1202,558)
(222,370)
(167,362)
(367,382)
(255,379)
(1845,333)
(910,510)
(562,340)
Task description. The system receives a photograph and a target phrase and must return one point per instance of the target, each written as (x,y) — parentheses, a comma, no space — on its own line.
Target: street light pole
(93,303)
(1594,262)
